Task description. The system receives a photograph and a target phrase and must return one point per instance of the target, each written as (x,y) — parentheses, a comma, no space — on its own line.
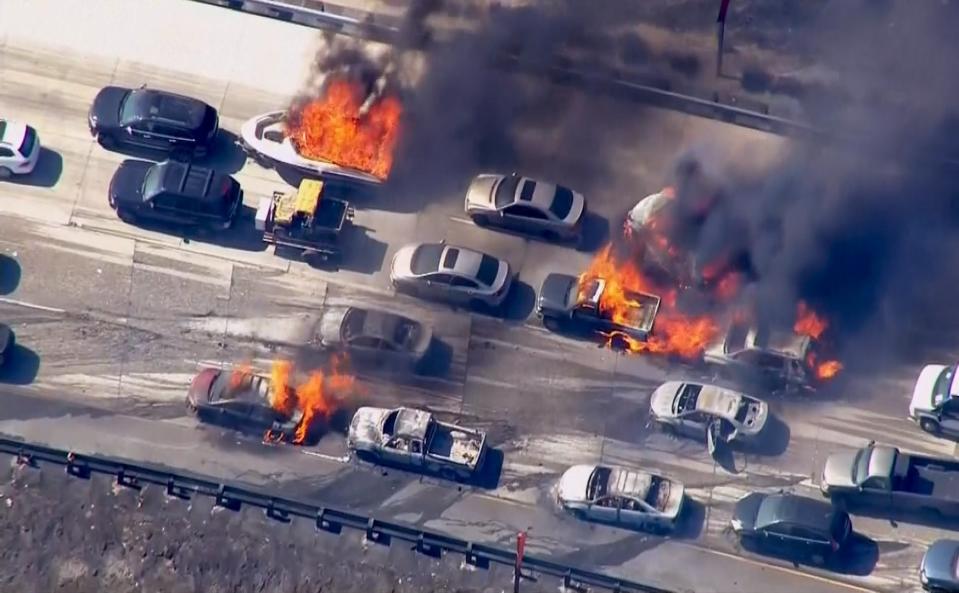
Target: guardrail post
(75,469)
(371,533)
(222,500)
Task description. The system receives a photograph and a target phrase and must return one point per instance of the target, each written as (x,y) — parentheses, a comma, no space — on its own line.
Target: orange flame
(808,323)
(317,397)
(673,332)
(332,128)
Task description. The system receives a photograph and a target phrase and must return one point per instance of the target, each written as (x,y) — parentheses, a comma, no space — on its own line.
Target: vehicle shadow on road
(226,154)
(243,236)
(859,558)
(519,302)
(46,173)
(771,442)
(21,366)
(596,230)
(437,361)
(10,272)
(692,521)
(489,473)
(361,252)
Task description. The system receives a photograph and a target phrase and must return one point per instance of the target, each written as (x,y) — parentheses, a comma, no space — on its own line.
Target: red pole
(520,549)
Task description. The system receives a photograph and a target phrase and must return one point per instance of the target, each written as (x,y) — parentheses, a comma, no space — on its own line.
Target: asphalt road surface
(112,321)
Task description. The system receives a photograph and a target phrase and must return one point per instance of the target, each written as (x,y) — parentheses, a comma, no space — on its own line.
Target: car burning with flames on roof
(348,132)
(565,302)
(415,439)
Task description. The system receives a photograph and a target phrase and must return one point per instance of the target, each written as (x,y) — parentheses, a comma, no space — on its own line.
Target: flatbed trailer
(306,221)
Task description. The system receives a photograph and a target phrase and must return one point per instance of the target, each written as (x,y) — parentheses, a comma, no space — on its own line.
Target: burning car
(350,131)
(240,400)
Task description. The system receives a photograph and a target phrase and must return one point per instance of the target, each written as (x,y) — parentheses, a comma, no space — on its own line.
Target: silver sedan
(527,206)
(450,273)
(690,408)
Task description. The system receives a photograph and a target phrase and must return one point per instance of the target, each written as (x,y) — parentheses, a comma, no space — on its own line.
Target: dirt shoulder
(59,533)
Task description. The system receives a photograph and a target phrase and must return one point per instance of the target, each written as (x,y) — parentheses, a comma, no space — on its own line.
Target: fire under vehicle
(306,221)
(563,303)
(415,439)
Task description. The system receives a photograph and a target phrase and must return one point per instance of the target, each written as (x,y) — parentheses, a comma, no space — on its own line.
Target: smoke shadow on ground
(21,367)
(10,273)
(226,154)
(46,173)
(361,252)
(519,302)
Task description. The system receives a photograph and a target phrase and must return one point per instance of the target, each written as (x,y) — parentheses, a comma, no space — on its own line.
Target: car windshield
(426,259)
(940,392)
(29,141)
(132,107)
(562,202)
(598,483)
(153,181)
(688,396)
(227,384)
(488,268)
(506,191)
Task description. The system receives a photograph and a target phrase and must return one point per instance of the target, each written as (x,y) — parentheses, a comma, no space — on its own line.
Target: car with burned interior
(796,527)
(451,273)
(19,148)
(374,337)
(153,119)
(689,408)
(175,192)
(524,205)
(623,496)
(773,359)
(240,400)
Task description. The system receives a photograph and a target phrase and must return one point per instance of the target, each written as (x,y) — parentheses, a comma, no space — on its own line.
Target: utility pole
(721,35)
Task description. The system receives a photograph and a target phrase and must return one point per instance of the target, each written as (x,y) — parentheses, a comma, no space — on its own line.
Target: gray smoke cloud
(864,231)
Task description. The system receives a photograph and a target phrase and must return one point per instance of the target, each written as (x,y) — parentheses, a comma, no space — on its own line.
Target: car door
(636,513)
(462,290)
(949,417)
(809,543)
(141,133)
(397,450)
(694,424)
(605,509)
(364,347)
(525,218)
(435,286)
(778,539)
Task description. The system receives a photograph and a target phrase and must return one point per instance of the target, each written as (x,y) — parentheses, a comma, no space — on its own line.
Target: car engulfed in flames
(312,400)
(349,126)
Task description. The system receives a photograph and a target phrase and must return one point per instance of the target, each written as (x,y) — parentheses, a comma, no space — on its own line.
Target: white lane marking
(462,220)
(338,459)
(31,305)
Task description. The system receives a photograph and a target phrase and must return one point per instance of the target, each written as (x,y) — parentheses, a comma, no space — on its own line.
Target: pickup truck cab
(415,439)
(884,477)
(562,301)
(935,400)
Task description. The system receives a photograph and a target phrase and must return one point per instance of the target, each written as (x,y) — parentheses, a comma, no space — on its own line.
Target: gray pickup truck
(883,477)
(417,440)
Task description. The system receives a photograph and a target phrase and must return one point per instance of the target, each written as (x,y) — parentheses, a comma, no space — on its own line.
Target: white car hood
(661,401)
(402,264)
(644,211)
(922,392)
(573,482)
(366,425)
(285,152)
(13,134)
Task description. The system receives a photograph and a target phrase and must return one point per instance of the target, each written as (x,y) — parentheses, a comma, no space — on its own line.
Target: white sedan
(19,148)
(621,496)
(690,408)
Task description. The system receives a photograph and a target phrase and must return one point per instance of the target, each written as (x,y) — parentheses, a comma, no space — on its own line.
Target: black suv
(153,119)
(175,192)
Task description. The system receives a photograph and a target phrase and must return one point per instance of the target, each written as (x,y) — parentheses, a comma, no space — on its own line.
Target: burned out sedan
(450,273)
(623,496)
(239,400)
(377,337)
(690,409)
(527,206)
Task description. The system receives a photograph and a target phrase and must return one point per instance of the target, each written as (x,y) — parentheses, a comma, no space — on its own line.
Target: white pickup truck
(415,439)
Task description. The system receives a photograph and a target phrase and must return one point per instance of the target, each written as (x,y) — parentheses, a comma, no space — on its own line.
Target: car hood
(922,392)
(367,423)
(401,266)
(105,111)
(480,193)
(330,325)
(577,209)
(838,469)
(127,183)
(573,482)
(661,401)
(747,508)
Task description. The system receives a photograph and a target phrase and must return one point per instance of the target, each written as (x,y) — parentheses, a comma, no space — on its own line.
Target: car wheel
(127,217)
(551,323)
(929,425)
(480,220)
(551,236)
(667,428)
(107,141)
(817,559)
(5,173)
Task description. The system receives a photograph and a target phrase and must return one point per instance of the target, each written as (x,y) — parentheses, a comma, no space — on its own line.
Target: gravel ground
(59,533)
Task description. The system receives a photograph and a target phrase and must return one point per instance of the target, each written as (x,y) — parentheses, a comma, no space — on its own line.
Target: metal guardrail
(233,497)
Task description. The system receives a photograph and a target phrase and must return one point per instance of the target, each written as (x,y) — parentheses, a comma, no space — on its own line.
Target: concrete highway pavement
(113,320)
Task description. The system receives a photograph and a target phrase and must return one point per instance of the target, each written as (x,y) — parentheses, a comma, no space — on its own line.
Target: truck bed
(642,314)
(931,477)
(458,445)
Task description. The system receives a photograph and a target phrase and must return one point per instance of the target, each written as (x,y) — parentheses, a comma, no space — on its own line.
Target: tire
(127,217)
(107,141)
(929,425)
(817,559)
(480,220)
(551,323)
(5,173)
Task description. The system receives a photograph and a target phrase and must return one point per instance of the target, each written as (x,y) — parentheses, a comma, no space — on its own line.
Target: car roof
(628,482)
(11,132)
(536,193)
(795,510)
(191,180)
(376,324)
(461,261)
(718,401)
(154,104)
(783,342)
(412,423)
